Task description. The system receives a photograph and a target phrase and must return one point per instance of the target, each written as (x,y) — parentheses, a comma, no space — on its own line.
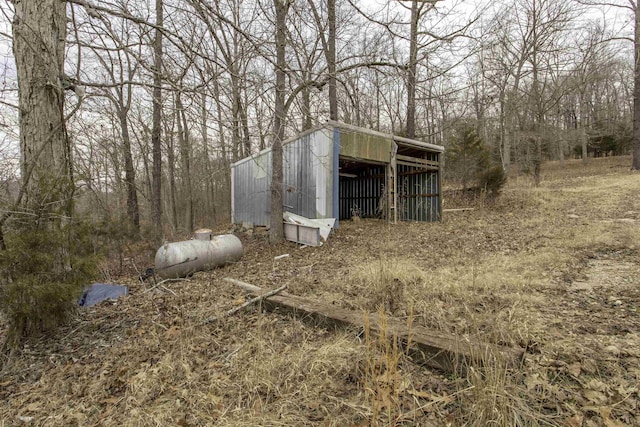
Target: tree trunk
(133,212)
(582,134)
(209,194)
(331,60)
(582,129)
(246,134)
(156,196)
(171,166)
(504,137)
(636,92)
(236,140)
(411,72)
(185,158)
(276,233)
(305,94)
(223,144)
(39,31)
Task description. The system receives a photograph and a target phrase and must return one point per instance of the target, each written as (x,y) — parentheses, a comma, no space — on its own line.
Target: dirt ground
(554,270)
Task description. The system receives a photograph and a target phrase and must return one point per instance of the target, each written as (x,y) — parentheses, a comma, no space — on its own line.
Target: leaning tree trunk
(39,31)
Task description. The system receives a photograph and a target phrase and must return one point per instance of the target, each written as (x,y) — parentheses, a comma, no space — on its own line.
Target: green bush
(42,273)
(467,156)
(493,179)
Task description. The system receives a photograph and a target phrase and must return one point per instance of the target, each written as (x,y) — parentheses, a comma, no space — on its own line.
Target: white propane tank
(179,259)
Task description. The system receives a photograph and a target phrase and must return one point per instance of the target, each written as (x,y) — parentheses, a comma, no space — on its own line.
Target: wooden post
(392,179)
(440,199)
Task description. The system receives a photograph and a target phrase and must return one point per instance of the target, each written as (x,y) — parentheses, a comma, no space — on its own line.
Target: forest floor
(553,269)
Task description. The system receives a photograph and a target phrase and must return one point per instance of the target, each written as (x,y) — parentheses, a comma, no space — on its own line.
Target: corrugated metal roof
(407,141)
(331,124)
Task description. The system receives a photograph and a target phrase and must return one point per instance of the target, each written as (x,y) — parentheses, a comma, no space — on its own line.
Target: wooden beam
(418,165)
(432,348)
(407,196)
(420,171)
(417,160)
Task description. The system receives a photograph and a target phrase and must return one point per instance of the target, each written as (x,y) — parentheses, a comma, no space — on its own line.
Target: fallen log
(434,349)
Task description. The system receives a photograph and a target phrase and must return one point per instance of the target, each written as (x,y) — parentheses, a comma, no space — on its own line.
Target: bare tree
(184,142)
(635,6)
(276,233)
(156,195)
(121,68)
(331,60)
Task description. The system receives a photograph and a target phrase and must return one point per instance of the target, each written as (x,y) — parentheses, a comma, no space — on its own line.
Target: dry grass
(554,269)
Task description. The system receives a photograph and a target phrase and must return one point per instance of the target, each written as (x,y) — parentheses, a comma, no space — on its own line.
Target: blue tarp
(99,292)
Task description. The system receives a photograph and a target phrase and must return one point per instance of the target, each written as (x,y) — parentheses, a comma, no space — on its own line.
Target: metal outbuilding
(338,171)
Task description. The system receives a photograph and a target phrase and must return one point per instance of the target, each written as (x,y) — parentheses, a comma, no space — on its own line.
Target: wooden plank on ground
(435,349)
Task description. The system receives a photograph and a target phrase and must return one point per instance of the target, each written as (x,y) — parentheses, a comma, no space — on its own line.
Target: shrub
(493,179)
(42,272)
(467,156)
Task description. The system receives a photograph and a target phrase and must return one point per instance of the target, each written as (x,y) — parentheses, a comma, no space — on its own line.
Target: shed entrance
(412,175)
(361,189)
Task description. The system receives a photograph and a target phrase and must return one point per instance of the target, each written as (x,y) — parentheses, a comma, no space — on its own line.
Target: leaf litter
(521,271)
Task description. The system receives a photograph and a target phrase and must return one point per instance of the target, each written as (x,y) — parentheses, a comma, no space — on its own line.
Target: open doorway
(361,189)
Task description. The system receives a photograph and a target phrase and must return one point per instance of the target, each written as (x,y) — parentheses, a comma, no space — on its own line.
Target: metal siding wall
(335,175)
(307,172)
(299,178)
(313,189)
(252,196)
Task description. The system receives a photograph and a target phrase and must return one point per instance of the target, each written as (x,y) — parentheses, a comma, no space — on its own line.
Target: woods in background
(157,99)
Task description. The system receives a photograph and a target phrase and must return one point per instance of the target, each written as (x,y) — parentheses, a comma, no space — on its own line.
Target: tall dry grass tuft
(388,283)
(384,381)
(486,297)
(490,394)
(485,301)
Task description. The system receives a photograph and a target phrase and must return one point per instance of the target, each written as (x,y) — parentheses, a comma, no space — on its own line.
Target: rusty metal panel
(358,145)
